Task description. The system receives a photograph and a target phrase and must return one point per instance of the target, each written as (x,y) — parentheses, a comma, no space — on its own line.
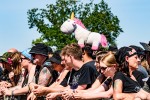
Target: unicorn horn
(72,16)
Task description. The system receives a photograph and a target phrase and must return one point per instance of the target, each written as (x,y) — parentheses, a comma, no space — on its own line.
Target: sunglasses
(22,59)
(103,68)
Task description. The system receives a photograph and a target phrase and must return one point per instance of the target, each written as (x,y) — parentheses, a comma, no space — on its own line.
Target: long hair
(16,65)
(120,58)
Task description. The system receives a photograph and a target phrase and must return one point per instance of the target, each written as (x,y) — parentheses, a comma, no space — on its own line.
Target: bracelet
(29,87)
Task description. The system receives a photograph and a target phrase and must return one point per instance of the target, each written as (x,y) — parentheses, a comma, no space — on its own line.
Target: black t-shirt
(92,64)
(129,85)
(85,75)
(139,76)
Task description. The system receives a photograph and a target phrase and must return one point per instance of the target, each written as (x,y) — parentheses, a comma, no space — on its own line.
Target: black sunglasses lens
(103,68)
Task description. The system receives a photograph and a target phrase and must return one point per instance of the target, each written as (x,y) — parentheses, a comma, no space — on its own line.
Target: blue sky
(14,30)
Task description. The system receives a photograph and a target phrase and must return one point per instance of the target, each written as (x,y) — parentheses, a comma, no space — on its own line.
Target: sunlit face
(66,62)
(38,59)
(24,61)
(107,71)
(133,60)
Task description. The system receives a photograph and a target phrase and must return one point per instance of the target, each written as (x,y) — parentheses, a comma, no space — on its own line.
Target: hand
(51,96)
(5,84)
(31,86)
(31,96)
(38,90)
(6,91)
(78,95)
(142,94)
(68,94)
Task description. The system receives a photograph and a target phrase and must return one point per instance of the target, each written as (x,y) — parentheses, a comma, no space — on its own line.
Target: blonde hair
(100,54)
(109,59)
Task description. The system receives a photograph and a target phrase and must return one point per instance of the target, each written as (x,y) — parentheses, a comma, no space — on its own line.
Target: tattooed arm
(118,95)
(44,77)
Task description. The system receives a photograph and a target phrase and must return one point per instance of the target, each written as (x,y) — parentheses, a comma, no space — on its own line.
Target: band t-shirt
(86,75)
(129,85)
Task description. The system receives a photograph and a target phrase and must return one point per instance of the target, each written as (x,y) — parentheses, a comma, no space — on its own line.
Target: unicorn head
(70,25)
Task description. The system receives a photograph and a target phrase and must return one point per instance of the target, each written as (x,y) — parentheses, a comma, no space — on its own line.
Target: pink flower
(9,61)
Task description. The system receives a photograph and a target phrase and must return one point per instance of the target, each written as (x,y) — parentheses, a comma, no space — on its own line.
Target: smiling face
(65,63)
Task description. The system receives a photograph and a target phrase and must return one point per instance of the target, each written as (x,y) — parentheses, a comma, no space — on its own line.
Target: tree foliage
(96,18)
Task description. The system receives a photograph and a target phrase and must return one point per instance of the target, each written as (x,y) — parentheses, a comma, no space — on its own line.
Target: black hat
(138,49)
(145,46)
(121,54)
(39,48)
(50,50)
(55,58)
(113,48)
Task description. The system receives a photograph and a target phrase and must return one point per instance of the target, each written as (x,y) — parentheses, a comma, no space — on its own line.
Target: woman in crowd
(12,68)
(108,66)
(27,76)
(127,83)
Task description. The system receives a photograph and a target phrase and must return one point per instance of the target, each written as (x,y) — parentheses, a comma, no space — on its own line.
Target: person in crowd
(12,67)
(5,81)
(79,77)
(50,52)
(141,55)
(1,65)
(127,82)
(39,54)
(13,50)
(108,68)
(27,76)
(113,48)
(57,66)
(101,78)
(14,71)
(88,57)
(147,54)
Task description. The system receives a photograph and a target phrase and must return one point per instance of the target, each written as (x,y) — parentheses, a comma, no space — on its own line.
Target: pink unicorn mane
(78,21)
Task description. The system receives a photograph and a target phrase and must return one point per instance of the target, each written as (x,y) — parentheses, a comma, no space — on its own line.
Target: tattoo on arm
(44,77)
(118,85)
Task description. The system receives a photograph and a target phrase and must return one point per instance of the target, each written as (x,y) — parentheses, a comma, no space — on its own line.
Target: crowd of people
(75,73)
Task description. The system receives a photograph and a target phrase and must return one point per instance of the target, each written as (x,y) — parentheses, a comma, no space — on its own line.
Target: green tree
(96,18)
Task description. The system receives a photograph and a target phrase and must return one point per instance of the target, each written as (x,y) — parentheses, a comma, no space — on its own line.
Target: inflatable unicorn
(82,35)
